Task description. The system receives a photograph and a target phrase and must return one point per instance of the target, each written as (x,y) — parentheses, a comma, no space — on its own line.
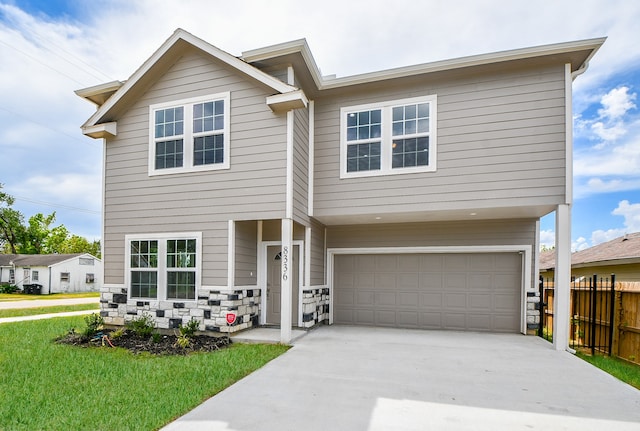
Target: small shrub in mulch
(156,344)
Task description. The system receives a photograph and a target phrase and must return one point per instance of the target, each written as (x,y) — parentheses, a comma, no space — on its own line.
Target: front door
(26,276)
(274,271)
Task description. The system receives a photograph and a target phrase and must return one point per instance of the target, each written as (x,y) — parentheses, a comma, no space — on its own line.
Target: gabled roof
(297,52)
(116,93)
(37,259)
(619,251)
(624,249)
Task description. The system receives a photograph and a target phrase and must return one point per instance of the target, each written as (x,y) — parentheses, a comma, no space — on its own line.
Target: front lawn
(625,371)
(44,385)
(24,297)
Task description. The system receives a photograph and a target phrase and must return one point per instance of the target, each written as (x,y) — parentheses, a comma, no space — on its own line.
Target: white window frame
(65,277)
(188,135)
(386,137)
(162,262)
(35,275)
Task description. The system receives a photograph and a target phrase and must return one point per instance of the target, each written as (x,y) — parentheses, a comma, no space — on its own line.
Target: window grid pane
(144,284)
(208,150)
(208,116)
(144,254)
(181,253)
(181,285)
(169,154)
(364,125)
(410,152)
(363,157)
(169,122)
(410,119)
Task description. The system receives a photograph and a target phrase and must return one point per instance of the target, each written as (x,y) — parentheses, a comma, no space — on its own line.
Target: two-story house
(406,198)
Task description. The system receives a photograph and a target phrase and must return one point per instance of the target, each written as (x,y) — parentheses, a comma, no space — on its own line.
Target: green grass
(18,312)
(625,371)
(49,386)
(23,297)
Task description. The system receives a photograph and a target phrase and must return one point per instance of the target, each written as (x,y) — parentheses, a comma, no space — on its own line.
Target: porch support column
(562,278)
(285,281)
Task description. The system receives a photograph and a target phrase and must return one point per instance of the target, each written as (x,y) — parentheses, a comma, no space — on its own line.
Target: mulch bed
(162,345)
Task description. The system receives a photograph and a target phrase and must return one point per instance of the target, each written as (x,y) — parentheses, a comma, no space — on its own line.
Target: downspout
(582,69)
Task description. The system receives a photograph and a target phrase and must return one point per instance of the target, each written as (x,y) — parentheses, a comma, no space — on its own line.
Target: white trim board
(526,250)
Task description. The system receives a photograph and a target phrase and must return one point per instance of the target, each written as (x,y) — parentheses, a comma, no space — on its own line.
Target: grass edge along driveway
(44,385)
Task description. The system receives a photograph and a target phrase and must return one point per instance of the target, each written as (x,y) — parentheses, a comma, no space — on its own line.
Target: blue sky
(51,48)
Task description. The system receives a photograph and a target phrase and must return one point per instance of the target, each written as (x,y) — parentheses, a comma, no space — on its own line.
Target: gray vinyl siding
(318,264)
(253,188)
(436,234)
(246,264)
(301,166)
(500,143)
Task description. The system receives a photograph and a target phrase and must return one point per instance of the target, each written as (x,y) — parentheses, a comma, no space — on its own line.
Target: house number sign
(285,263)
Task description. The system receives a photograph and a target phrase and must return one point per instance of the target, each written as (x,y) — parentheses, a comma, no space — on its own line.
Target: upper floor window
(189,135)
(388,138)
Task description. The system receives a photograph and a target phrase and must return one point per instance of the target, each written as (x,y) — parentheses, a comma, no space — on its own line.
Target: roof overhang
(103,130)
(161,60)
(297,53)
(99,94)
(287,101)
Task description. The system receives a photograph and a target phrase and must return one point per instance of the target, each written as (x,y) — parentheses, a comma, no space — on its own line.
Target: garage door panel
(431,320)
(408,319)
(431,300)
(386,298)
(455,281)
(463,291)
(365,298)
(364,317)
(384,281)
(456,300)
(410,299)
(456,321)
(386,318)
(345,297)
(480,301)
(408,281)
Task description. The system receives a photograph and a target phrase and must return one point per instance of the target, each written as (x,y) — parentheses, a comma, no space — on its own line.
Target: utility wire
(54,205)
(42,63)
(75,138)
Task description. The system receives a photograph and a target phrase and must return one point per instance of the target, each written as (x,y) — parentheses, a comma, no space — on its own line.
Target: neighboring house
(620,256)
(56,273)
(407,198)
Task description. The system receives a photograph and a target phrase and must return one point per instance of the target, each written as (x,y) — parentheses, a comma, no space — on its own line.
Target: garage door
(473,292)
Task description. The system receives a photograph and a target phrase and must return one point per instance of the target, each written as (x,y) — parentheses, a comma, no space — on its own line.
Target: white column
(562,278)
(285,281)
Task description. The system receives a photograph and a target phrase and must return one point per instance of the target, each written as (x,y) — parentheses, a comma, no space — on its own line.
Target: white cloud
(631,214)
(579,244)
(547,238)
(616,103)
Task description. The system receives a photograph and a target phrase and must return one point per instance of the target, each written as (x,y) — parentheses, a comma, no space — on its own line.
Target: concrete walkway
(349,378)
(34,303)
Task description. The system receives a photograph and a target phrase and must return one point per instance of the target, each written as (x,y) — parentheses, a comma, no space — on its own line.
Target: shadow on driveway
(353,378)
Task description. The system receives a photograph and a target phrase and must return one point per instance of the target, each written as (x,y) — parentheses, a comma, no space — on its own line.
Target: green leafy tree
(11,224)
(79,244)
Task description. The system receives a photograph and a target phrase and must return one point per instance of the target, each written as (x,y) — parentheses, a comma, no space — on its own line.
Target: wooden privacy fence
(605,315)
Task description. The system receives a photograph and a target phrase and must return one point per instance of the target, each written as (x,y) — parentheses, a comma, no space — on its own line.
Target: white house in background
(56,273)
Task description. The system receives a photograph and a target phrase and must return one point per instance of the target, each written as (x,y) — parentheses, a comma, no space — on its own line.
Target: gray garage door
(472,291)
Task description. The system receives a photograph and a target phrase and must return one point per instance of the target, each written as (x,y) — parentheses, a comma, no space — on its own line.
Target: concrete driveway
(352,378)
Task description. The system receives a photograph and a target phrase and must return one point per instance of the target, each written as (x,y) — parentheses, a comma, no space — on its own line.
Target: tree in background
(38,236)
(11,223)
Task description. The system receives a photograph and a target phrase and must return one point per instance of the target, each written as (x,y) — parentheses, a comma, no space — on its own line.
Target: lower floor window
(164,267)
